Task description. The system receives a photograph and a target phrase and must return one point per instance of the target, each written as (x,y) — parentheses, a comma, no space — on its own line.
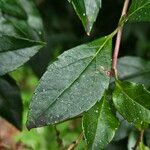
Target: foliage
(109,94)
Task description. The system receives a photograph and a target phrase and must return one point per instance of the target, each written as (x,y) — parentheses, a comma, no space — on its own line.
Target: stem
(59,140)
(75,143)
(118,39)
(139,140)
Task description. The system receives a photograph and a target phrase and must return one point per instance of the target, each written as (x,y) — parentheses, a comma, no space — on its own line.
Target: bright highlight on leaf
(87,11)
(72,84)
(99,125)
(132,102)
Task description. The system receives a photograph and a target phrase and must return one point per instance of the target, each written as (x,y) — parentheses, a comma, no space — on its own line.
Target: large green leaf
(134,69)
(99,125)
(72,84)
(10,101)
(139,11)
(133,102)
(87,11)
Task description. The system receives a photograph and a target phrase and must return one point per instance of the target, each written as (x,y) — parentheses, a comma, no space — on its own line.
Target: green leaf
(15,51)
(139,11)
(133,137)
(123,130)
(87,11)
(10,101)
(147,136)
(99,125)
(34,20)
(19,40)
(72,84)
(133,102)
(13,8)
(134,69)
(20,28)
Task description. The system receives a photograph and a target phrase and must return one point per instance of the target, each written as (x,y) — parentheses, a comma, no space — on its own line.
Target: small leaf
(134,69)
(72,84)
(133,137)
(123,130)
(87,11)
(133,102)
(99,125)
(139,11)
(10,101)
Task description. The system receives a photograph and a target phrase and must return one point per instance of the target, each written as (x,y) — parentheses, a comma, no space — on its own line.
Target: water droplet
(96,111)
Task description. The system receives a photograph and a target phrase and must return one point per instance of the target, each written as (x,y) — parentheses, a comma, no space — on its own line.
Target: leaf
(87,11)
(10,101)
(34,19)
(133,137)
(99,125)
(147,137)
(13,8)
(123,130)
(139,11)
(15,51)
(133,102)
(72,84)
(18,40)
(134,69)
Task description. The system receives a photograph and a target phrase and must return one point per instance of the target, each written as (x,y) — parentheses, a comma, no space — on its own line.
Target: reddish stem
(118,39)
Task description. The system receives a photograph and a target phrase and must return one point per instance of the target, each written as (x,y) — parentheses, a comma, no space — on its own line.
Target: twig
(140,139)
(58,139)
(118,39)
(75,143)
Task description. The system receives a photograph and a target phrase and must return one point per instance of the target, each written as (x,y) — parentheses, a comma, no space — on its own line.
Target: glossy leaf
(10,101)
(87,11)
(139,11)
(99,125)
(133,102)
(72,84)
(134,69)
